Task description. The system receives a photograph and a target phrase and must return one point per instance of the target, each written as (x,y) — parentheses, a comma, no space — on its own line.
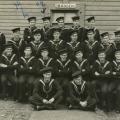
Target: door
(67,14)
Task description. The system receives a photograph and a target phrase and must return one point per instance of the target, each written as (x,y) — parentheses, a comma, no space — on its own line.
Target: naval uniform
(93,51)
(8,74)
(28,34)
(17,46)
(26,77)
(46,91)
(114,87)
(81,33)
(36,48)
(55,46)
(2,42)
(82,93)
(102,81)
(82,66)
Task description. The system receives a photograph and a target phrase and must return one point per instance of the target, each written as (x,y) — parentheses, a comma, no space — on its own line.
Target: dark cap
(90,30)
(8,45)
(59,18)
(73,31)
(101,50)
(117,32)
(31,18)
(76,74)
(37,31)
(78,50)
(56,29)
(46,18)
(28,45)
(44,48)
(90,18)
(62,51)
(46,69)
(75,18)
(117,51)
(104,34)
(15,30)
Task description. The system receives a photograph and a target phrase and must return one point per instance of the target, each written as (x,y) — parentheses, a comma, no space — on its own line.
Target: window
(68,14)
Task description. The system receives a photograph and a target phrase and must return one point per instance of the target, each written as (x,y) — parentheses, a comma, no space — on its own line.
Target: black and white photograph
(59,59)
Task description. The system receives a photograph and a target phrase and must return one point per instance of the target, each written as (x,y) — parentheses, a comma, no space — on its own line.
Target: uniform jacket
(27,66)
(28,34)
(10,62)
(83,66)
(47,91)
(40,64)
(102,68)
(93,51)
(63,68)
(79,92)
(36,47)
(55,46)
(2,42)
(115,68)
(17,46)
(81,33)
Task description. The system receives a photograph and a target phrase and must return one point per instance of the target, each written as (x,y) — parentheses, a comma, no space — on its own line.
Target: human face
(101,56)
(56,35)
(32,23)
(117,55)
(78,80)
(44,53)
(117,39)
(16,35)
(79,55)
(37,37)
(47,77)
(27,51)
(46,23)
(91,24)
(64,56)
(8,51)
(105,40)
(74,37)
(76,23)
(90,36)
(61,23)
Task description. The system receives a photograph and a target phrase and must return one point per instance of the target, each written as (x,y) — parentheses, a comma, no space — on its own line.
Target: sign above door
(65,6)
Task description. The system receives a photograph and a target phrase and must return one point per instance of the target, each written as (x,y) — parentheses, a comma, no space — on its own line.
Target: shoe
(70,107)
(117,111)
(39,108)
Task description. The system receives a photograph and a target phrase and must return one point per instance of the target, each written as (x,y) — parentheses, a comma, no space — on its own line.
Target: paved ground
(10,110)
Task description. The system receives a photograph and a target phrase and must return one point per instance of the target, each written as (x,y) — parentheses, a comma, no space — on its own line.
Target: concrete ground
(10,110)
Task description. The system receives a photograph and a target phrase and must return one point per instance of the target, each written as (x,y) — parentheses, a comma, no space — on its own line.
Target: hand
(45,101)
(51,100)
(15,63)
(30,68)
(107,72)
(97,74)
(21,66)
(83,104)
(83,70)
(114,73)
(3,65)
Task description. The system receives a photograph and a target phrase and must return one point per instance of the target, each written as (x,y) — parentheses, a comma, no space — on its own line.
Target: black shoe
(117,111)
(51,107)
(70,107)
(39,108)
